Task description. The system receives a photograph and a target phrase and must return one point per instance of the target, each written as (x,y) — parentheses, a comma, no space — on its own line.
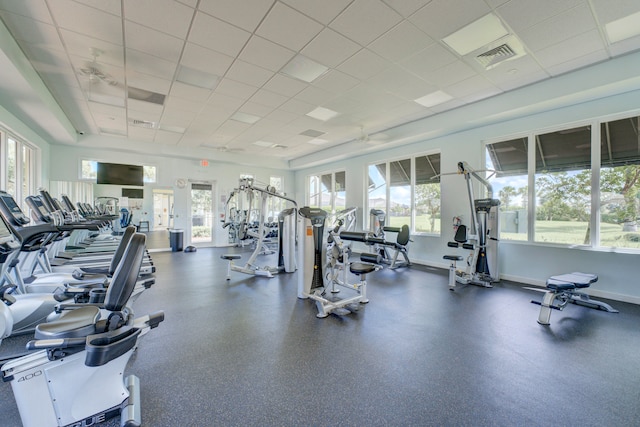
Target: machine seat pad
(453,257)
(580,280)
(230,256)
(76,323)
(559,286)
(361,268)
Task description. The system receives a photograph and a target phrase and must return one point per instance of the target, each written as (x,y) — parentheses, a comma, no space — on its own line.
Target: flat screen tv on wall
(133,193)
(117,174)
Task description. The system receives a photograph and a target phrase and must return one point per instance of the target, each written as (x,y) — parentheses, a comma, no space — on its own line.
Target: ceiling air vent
(142,124)
(145,95)
(493,57)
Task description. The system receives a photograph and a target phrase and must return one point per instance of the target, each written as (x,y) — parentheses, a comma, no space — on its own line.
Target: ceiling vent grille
(142,124)
(493,57)
(145,95)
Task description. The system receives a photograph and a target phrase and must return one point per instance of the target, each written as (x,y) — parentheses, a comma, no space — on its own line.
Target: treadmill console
(8,242)
(12,209)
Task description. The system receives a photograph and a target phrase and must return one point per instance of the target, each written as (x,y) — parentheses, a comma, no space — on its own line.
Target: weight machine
(247,189)
(311,282)
(482,240)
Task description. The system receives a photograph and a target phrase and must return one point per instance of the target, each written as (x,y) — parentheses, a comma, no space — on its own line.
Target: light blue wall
(527,263)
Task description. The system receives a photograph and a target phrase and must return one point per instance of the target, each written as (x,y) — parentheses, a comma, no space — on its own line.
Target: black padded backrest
(461,234)
(403,235)
(125,277)
(124,242)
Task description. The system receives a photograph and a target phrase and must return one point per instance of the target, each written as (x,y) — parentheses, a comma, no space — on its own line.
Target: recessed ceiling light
(264,144)
(245,118)
(303,68)
(176,129)
(485,30)
(197,78)
(623,28)
(317,141)
(323,114)
(435,98)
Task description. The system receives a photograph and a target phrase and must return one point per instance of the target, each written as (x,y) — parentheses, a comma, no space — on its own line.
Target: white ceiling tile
(364,64)
(284,85)
(153,42)
(113,7)
(148,64)
(255,109)
(185,91)
(476,86)
(236,89)
(136,133)
(365,20)
(245,14)
(87,20)
(167,138)
(288,27)
(314,95)
(450,74)
(248,73)
(406,7)
(608,10)
(336,81)
(400,42)
(147,82)
(144,110)
(297,106)
(217,35)
(323,11)
(428,60)
(207,60)
(167,16)
(509,72)
(82,45)
(558,28)
(330,48)
(571,49)
(175,104)
(227,103)
(268,98)
(31,9)
(266,54)
(440,18)
(176,118)
(32,31)
(577,62)
(282,116)
(521,14)
(401,83)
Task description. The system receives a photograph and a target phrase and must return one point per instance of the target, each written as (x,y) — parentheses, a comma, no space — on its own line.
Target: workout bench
(564,289)
(230,258)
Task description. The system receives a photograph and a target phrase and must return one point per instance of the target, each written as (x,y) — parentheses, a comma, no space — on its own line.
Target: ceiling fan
(93,71)
(364,137)
(223,148)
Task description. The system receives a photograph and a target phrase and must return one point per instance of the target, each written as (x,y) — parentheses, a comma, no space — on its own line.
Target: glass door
(201,213)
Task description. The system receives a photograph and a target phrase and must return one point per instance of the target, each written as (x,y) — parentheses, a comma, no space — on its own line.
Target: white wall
(65,161)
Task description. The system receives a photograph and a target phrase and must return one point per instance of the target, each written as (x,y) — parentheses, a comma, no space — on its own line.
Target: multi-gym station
(337,213)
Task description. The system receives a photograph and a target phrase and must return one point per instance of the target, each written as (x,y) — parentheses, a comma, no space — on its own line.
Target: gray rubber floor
(248,352)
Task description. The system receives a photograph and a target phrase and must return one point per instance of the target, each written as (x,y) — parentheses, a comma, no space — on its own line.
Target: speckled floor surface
(249,353)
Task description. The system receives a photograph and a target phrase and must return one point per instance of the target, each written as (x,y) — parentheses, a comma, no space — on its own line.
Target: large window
(327,191)
(408,191)
(574,186)
(18,168)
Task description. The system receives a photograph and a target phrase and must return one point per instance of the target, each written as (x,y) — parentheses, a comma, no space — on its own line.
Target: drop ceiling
(286,78)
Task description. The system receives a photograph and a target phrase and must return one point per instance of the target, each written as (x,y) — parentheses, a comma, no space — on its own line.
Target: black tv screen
(117,174)
(133,193)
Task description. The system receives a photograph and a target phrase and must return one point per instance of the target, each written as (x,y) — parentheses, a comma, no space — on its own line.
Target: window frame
(412,186)
(595,181)
(332,192)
